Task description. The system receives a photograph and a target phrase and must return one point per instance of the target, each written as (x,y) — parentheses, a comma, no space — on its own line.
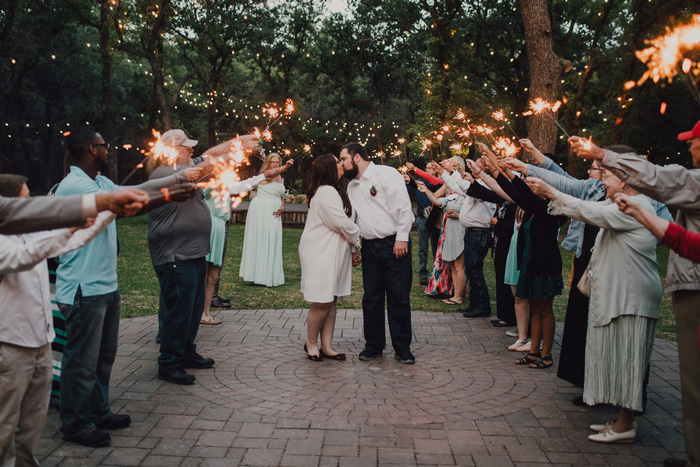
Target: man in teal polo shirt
(88,297)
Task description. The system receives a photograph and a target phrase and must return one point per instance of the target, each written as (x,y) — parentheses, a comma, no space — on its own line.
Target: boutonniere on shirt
(373,191)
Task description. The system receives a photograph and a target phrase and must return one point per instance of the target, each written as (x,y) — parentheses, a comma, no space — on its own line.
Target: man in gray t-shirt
(178,240)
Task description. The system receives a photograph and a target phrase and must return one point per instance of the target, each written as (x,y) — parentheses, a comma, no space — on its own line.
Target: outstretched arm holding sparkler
(236,187)
(423,174)
(585,149)
(535,153)
(490,161)
(248,144)
(433,197)
(482,174)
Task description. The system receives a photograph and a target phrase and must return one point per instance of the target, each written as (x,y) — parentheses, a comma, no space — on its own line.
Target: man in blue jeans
(88,297)
(424,224)
(475,216)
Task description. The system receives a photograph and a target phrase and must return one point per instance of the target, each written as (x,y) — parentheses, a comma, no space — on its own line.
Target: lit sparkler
(539,106)
(275,115)
(158,151)
(500,116)
(404,170)
(667,55)
(223,176)
(402,141)
(505,147)
(425,146)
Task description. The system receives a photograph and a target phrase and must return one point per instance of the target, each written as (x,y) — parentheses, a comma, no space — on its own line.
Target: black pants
(572,361)
(385,276)
(505,303)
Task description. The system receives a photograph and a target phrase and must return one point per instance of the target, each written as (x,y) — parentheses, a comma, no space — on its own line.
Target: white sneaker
(610,436)
(517,344)
(608,425)
(512,332)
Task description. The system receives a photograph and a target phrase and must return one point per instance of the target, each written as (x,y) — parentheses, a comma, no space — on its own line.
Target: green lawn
(139,287)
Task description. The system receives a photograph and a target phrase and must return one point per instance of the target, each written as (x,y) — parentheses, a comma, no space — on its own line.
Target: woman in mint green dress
(220,207)
(261,261)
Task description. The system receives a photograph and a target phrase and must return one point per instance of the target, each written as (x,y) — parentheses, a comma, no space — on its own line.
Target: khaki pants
(25,383)
(686,305)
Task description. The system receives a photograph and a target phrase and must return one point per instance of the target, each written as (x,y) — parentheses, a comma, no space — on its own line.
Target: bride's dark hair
(324,171)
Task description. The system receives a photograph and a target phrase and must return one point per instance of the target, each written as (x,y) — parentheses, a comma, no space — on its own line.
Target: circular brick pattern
(447,384)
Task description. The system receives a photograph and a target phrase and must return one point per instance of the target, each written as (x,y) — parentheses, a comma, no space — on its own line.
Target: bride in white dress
(325,254)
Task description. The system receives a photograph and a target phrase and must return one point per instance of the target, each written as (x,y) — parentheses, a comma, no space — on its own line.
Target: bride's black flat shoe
(341,356)
(313,358)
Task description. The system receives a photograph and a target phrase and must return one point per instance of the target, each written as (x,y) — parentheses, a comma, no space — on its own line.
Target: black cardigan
(545,257)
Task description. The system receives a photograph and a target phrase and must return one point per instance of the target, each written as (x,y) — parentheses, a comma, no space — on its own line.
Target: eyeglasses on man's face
(106,145)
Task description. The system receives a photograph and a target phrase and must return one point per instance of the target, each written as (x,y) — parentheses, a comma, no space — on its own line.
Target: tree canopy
(391,74)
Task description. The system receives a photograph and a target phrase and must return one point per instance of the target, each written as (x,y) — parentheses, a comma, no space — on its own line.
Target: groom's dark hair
(356,148)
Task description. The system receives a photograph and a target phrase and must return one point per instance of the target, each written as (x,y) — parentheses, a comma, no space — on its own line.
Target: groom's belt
(390,238)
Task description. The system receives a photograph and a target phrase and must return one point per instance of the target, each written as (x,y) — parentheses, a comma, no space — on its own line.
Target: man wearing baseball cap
(175,138)
(678,187)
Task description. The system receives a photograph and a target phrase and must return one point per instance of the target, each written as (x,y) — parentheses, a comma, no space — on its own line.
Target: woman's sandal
(449,301)
(544,362)
(526,359)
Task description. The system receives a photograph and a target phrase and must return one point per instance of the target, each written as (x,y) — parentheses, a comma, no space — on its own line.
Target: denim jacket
(587,190)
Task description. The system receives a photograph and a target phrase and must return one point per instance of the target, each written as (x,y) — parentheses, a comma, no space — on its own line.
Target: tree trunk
(106,107)
(156,61)
(545,71)
(154,53)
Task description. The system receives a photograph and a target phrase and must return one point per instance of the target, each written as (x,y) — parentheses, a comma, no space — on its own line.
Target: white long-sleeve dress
(325,248)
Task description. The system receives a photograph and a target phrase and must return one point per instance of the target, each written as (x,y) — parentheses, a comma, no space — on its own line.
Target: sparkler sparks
(404,170)
(538,106)
(505,147)
(668,51)
(665,52)
(158,151)
(265,135)
(224,177)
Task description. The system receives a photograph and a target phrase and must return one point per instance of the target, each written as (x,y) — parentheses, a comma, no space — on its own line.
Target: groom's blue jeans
(385,276)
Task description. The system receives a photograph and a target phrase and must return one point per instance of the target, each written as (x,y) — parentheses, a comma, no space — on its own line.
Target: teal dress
(261,262)
(219,215)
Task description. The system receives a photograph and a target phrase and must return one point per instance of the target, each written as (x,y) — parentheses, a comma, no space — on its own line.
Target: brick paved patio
(464,402)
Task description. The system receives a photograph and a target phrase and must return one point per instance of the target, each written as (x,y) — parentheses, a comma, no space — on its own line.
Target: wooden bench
(294,214)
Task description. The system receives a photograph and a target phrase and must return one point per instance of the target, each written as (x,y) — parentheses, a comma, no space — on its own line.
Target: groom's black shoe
(370,354)
(406,358)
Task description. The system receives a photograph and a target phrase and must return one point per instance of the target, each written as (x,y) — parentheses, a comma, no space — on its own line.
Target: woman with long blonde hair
(261,262)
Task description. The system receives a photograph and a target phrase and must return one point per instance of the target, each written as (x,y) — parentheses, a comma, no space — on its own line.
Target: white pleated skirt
(617,357)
